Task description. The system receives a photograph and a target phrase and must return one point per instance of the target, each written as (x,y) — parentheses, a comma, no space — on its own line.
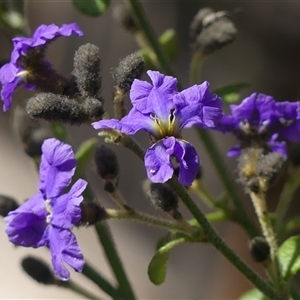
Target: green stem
(111,253)
(195,67)
(71,285)
(216,158)
(102,282)
(152,40)
(147,219)
(221,246)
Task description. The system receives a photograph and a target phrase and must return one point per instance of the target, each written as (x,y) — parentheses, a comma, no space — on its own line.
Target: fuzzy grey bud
(123,15)
(259,249)
(7,204)
(161,196)
(87,70)
(130,68)
(211,31)
(106,163)
(38,270)
(52,107)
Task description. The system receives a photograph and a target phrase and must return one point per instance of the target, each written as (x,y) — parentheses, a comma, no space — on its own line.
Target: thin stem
(195,67)
(112,255)
(71,285)
(259,203)
(216,158)
(94,275)
(221,246)
(147,219)
(152,40)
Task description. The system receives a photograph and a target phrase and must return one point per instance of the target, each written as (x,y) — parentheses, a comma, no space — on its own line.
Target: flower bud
(106,162)
(91,213)
(7,204)
(87,70)
(52,107)
(38,270)
(130,68)
(123,15)
(259,249)
(161,196)
(211,31)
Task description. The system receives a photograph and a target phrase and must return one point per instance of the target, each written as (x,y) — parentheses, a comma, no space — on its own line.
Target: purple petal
(64,248)
(57,167)
(26,225)
(157,163)
(155,99)
(130,124)
(69,29)
(66,210)
(234,151)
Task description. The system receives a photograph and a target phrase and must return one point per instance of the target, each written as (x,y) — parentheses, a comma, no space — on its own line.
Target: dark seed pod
(7,204)
(259,249)
(91,213)
(38,270)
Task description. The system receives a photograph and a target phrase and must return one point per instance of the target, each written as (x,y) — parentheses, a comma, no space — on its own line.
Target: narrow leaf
(92,8)
(289,257)
(231,93)
(169,43)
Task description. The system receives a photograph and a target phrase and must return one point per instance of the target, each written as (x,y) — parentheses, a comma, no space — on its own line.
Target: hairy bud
(211,31)
(130,68)
(123,15)
(7,204)
(106,162)
(52,107)
(87,70)
(161,196)
(91,213)
(38,270)
(259,249)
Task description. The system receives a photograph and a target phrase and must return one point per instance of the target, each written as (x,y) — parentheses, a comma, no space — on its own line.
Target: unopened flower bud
(123,15)
(91,213)
(7,204)
(211,30)
(259,249)
(31,133)
(106,162)
(130,68)
(52,107)
(161,196)
(38,270)
(269,169)
(87,70)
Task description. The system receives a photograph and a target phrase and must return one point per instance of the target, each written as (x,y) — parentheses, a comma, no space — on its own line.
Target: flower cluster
(162,111)
(29,52)
(47,218)
(259,121)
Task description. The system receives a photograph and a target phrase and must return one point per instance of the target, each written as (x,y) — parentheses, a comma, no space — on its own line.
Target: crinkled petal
(64,248)
(66,210)
(157,163)
(57,167)
(292,132)
(130,124)
(69,29)
(26,225)
(188,162)
(156,98)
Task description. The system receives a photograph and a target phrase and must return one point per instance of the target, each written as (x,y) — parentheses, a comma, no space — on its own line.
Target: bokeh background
(265,54)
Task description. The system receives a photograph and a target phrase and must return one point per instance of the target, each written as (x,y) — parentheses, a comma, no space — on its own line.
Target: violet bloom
(16,72)
(47,218)
(259,120)
(162,111)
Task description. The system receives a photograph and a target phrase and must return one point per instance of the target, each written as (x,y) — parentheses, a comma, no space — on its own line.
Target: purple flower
(47,218)
(161,110)
(259,120)
(15,72)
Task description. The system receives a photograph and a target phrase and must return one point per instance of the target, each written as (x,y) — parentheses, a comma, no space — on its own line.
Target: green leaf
(92,8)
(253,295)
(231,93)
(289,257)
(157,268)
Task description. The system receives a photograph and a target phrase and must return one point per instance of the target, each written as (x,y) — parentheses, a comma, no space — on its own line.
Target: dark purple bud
(91,213)
(259,249)
(7,204)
